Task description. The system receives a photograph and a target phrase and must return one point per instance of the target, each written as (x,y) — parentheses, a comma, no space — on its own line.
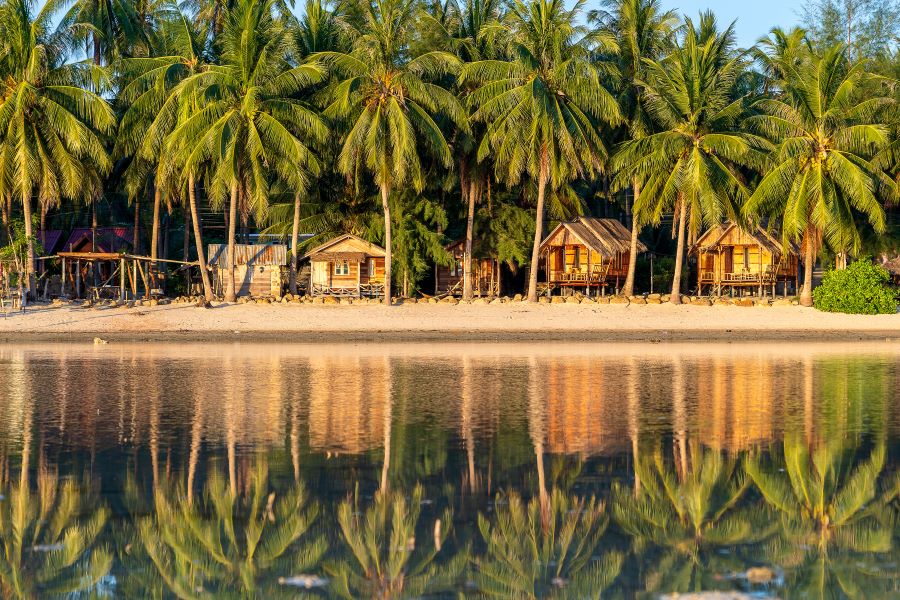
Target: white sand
(512,321)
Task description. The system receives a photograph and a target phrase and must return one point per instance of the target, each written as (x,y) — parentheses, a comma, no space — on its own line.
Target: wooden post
(134,271)
(359,280)
(759,261)
(78,278)
(122,280)
(62,278)
(588,281)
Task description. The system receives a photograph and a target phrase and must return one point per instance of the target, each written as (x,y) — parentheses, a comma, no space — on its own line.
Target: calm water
(409,471)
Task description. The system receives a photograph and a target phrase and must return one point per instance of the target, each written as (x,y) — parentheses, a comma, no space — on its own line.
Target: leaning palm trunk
(675,297)
(467,259)
(628,289)
(232,225)
(385,194)
(809,260)
(295,233)
(198,240)
(29,242)
(538,231)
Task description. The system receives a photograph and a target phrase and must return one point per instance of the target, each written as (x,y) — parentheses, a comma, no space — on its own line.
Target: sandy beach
(500,322)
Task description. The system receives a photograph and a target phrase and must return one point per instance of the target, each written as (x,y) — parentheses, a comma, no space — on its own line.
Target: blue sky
(754,17)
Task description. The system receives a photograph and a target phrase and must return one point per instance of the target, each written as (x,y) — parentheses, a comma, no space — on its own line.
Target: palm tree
(643,30)
(155,107)
(827,133)
(542,108)
(51,129)
(382,556)
(691,165)
(535,555)
(388,105)
(250,127)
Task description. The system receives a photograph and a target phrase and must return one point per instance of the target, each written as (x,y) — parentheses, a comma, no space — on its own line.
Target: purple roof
(109,239)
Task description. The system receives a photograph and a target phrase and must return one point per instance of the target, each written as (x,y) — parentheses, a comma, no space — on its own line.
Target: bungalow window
(371,267)
(342,267)
(746,259)
(577,257)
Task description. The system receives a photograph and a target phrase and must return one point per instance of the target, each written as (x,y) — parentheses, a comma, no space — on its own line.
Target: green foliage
(863,288)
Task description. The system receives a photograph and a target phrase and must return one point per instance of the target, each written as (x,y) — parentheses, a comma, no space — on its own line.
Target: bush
(861,289)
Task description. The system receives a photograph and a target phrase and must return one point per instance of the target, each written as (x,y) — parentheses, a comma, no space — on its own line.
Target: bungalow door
(729,260)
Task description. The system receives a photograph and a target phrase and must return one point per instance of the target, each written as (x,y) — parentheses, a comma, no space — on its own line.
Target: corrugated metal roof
(607,237)
(252,254)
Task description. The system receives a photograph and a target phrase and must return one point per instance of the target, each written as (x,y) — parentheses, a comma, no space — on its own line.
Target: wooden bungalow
(258,268)
(346,266)
(586,253)
(448,279)
(728,257)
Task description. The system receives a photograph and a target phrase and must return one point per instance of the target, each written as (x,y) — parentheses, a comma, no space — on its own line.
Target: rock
(203,303)
(154,302)
(781,302)
(795,303)
(745,302)
(619,300)
(285,299)
(497,301)
(664,297)
(723,302)
(587,300)
(639,300)
(449,300)
(517,298)
(544,300)
(557,300)
(129,304)
(330,300)
(653,300)
(481,301)
(346,301)
(654,297)
(602,300)
(701,302)
(573,300)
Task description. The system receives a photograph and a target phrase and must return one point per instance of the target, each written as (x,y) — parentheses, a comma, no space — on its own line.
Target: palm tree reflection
(545,548)
(689,511)
(230,544)
(49,539)
(835,516)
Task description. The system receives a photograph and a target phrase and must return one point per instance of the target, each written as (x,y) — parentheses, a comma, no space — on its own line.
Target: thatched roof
(345,247)
(607,237)
(712,240)
(249,254)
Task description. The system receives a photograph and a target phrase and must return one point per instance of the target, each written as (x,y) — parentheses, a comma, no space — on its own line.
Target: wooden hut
(586,253)
(346,266)
(730,257)
(448,279)
(257,272)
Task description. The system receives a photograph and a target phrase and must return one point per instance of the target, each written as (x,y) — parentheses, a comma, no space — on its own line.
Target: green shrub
(861,289)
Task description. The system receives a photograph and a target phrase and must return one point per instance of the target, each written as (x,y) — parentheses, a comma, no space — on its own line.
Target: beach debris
(47,547)
(304,581)
(100,341)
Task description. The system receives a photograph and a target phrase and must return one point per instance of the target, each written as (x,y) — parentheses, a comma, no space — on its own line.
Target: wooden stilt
(62,279)
(78,279)
(122,270)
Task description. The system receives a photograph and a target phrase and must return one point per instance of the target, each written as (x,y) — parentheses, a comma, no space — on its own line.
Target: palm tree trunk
(675,297)
(198,241)
(467,256)
(154,236)
(29,261)
(538,230)
(136,235)
(232,225)
(295,233)
(809,263)
(43,233)
(385,194)
(628,289)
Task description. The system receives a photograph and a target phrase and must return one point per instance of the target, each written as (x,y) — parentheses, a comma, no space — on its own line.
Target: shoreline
(509,322)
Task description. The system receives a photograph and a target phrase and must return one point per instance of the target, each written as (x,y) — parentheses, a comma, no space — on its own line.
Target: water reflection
(376,471)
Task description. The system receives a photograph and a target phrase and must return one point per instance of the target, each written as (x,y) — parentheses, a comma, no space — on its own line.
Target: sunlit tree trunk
(295,234)
(388,425)
(809,263)
(232,226)
(29,235)
(136,234)
(385,196)
(154,237)
(198,240)
(628,289)
(675,298)
(468,188)
(538,229)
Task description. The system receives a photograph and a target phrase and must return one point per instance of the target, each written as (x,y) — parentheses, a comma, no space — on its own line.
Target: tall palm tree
(691,166)
(643,30)
(52,130)
(388,104)
(155,108)
(827,132)
(250,125)
(542,108)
